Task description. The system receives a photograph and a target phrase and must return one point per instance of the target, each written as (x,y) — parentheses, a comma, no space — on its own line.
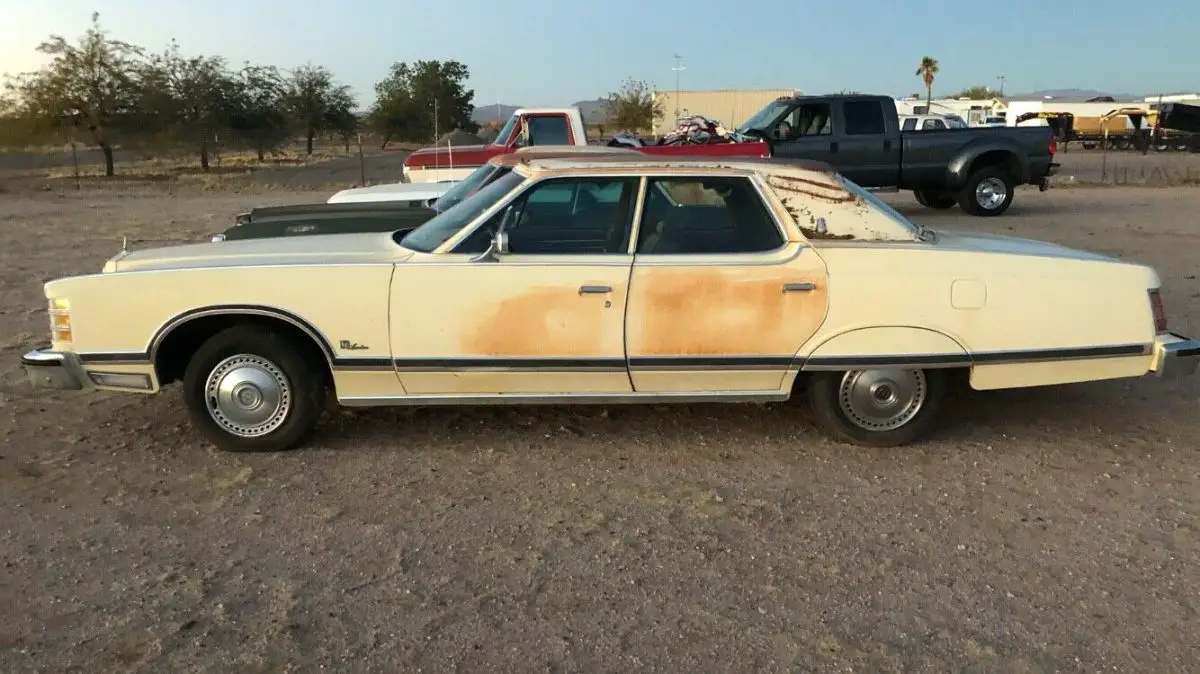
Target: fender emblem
(348,345)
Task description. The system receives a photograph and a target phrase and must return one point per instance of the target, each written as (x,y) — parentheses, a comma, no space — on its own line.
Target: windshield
(505,131)
(872,199)
(763,117)
(446,224)
(956,122)
(467,186)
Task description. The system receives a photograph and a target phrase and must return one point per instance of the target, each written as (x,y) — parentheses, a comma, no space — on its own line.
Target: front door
(720,299)
(546,318)
(806,133)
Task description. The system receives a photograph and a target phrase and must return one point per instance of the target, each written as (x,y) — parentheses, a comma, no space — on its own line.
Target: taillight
(1053,145)
(1160,314)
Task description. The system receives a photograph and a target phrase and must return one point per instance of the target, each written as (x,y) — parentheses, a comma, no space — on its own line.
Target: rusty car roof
(812,169)
(556,151)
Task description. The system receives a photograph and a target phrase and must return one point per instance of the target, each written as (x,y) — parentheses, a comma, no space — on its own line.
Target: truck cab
(859,134)
(527,127)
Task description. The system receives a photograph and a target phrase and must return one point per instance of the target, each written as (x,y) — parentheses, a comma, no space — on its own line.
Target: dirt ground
(1040,530)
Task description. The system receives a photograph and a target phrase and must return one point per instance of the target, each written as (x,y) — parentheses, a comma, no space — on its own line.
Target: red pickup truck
(544,126)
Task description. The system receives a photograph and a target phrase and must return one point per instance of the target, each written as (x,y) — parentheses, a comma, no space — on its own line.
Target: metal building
(729,106)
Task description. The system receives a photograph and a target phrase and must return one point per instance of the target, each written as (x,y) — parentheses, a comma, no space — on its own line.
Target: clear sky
(554,52)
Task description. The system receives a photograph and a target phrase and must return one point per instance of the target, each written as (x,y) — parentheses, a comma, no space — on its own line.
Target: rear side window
(548,130)
(910,124)
(705,216)
(863,118)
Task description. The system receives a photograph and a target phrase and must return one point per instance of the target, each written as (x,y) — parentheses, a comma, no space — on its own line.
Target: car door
(545,318)
(720,300)
(806,133)
(866,152)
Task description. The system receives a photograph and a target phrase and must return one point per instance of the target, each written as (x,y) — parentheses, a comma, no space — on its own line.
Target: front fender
(886,346)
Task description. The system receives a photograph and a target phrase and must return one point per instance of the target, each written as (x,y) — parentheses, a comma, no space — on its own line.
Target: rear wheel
(884,407)
(249,389)
(988,192)
(935,199)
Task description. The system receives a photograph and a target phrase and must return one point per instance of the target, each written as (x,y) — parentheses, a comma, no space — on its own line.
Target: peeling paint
(797,185)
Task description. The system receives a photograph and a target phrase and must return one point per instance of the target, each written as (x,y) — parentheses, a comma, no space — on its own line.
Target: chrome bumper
(1174,355)
(48,369)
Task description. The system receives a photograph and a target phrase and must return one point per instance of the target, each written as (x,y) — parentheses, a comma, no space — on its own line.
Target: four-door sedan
(611,280)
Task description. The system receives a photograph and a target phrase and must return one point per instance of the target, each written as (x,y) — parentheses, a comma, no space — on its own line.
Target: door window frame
(710,259)
(445,251)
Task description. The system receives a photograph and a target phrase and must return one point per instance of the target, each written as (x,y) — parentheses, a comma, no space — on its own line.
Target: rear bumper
(1174,355)
(54,370)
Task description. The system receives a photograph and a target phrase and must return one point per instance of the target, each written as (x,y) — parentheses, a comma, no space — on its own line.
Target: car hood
(1010,245)
(367,248)
(392,192)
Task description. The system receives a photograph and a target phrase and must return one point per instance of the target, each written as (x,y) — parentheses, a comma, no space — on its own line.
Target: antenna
(679,67)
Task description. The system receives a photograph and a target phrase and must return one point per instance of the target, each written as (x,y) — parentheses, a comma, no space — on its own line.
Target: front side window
(699,215)
(446,224)
(931,124)
(564,216)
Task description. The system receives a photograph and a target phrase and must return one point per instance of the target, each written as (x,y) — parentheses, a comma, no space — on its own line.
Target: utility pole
(1001,78)
(679,67)
(435,118)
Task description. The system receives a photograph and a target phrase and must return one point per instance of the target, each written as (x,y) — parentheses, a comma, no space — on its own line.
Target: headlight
(60,320)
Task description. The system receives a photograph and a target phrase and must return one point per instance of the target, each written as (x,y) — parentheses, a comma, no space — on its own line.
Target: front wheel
(988,192)
(877,408)
(250,389)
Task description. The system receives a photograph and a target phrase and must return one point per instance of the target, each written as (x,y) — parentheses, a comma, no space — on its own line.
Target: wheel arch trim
(180,320)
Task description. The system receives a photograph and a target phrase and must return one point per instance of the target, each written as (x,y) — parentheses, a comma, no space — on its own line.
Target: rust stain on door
(711,311)
(549,322)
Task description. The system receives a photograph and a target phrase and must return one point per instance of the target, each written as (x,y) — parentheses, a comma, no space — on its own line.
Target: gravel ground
(1040,530)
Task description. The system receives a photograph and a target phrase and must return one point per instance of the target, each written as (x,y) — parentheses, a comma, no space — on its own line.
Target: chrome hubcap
(882,400)
(990,193)
(248,395)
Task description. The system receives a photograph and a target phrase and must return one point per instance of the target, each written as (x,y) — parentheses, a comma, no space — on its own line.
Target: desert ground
(1043,530)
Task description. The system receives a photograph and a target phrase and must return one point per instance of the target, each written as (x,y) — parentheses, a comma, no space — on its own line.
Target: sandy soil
(1040,530)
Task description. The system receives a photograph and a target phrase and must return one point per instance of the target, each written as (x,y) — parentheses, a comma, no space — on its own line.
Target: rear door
(866,152)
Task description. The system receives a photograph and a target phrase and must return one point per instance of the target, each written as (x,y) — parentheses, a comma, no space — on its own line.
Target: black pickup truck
(977,168)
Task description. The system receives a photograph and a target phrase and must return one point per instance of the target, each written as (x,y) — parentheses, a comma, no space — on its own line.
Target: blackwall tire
(988,192)
(885,407)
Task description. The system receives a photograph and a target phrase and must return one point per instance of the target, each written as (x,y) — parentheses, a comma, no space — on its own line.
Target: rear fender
(886,346)
(987,152)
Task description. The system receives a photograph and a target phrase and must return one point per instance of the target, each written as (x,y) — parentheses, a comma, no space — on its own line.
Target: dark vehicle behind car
(977,168)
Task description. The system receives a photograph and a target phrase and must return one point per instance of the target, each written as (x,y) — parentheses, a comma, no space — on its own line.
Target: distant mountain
(594,111)
(1076,94)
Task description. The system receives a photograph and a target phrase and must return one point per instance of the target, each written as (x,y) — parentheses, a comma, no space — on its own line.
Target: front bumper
(1175,355)
(48,369)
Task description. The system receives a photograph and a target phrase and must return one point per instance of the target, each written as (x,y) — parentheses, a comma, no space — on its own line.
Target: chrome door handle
(799,287)
(594,290)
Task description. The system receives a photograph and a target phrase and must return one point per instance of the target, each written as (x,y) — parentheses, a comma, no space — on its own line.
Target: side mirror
(498,247)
